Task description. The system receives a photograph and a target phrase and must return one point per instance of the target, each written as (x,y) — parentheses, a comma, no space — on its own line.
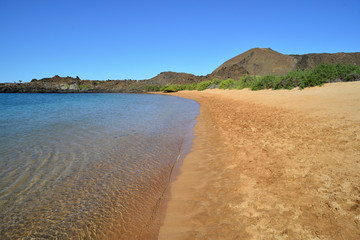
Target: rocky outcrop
(59,84)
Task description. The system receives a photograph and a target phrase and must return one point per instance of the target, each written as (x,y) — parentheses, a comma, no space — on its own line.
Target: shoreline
(270,164)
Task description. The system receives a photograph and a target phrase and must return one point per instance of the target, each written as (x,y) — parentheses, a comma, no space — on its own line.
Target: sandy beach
(270,164)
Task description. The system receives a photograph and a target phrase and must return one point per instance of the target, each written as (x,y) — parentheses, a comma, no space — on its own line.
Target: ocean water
(88,166)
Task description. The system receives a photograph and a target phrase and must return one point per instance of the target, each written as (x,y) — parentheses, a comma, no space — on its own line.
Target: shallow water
(90,166)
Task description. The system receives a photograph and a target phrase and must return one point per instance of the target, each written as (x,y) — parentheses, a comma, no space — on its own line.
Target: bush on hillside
(152,88)
(191,86)
(203,85)
(169,88)
(226,84)
(265,82)
(323,73)
(216,81)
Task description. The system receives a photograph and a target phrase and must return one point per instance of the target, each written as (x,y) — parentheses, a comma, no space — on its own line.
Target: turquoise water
(91,166)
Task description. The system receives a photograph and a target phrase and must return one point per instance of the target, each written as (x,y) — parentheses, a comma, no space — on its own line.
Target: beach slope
(270,165)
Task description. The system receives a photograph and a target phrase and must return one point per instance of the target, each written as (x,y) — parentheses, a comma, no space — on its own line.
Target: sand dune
(270,165)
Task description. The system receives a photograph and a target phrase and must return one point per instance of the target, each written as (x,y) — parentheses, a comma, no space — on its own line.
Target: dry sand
(270,165)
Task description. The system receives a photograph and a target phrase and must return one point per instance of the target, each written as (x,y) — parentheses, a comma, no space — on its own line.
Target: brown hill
(265,61)
(256,61)
(58,79)
(259,61)
(309,61)
(168,78)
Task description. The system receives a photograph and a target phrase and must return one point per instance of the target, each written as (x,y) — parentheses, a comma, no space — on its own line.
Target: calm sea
(88,166)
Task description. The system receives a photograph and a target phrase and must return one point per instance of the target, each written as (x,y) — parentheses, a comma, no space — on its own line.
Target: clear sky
(108,39)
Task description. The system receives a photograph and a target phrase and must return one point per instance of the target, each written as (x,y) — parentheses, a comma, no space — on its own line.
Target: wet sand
(270,165)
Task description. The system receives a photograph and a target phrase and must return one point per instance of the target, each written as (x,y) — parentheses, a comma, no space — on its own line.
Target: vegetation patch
(84,86)
(152,88)
(171,88)
(203,85)
(323,73)
(226,84)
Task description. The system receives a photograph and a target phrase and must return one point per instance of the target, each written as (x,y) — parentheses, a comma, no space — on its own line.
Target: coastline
(270,164)
(96,171)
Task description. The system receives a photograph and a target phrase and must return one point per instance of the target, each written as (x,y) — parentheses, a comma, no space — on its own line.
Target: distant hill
(309,61)
(256,61)
(259,61)
(166,78)
(265,61)
(59,84)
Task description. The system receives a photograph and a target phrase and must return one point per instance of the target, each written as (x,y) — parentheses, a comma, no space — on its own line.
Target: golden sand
(270,165)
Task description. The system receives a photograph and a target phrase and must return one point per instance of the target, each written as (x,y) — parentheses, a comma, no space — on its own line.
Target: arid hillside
(265,61)
(256,61)
(166,78)
(259,61)
(59,84)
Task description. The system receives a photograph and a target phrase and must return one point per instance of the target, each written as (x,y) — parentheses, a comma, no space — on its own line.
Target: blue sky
(138,39)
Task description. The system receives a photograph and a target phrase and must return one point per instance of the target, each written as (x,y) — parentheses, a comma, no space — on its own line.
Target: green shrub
(152,88)
(313,80)
(240,84)
(169,88)
(325,73)
(245,82)
(321,74)
(203,85)
(191,86)
(265,82)
(287,82)
(226,84)
(353,76)
(216,81)
(181,87)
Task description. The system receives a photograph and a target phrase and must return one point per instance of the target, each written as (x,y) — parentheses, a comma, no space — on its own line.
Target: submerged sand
(270,165)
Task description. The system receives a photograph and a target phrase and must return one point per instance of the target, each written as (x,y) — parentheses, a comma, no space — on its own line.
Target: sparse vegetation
(170,88)
(203,85)
(323,73)
(152,88)
(226,84)
(191,86)
(84,86)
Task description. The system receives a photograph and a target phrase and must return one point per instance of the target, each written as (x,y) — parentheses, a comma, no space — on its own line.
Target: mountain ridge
(256,61)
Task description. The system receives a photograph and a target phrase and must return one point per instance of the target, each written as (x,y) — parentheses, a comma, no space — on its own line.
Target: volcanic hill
(259,61)
(265,61)
(256,61)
